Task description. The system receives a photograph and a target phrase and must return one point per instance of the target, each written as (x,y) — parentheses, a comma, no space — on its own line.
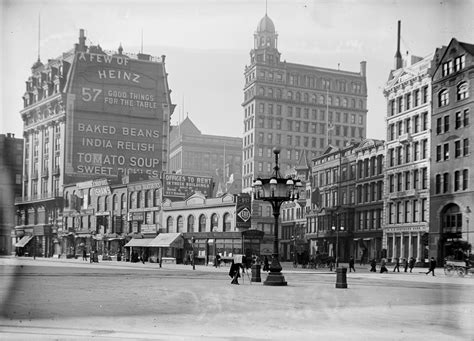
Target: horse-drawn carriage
(459,267)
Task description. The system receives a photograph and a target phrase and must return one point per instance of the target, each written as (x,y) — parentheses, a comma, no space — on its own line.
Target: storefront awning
(23,241)
(138,242)
(168,240)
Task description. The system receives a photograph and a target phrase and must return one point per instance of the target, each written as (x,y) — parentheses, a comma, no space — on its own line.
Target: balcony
(38,198)
(405,138)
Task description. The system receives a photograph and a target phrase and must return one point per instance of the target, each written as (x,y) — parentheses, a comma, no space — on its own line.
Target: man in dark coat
(397,265)
(234,272)
(411,264)
(432,266)
(373,265)
(351,264)
(266,265)
(383,267)
(405,264)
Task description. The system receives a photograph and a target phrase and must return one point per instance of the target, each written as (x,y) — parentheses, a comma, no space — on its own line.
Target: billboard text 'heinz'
(118,113)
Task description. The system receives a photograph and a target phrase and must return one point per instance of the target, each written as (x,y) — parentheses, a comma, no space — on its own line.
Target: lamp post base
(275,279)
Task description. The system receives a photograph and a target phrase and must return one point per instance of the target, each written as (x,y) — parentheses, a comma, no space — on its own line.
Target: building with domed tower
(301,108)
(88,114)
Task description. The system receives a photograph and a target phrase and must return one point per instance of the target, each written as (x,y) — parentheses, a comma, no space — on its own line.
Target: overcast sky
(207,44)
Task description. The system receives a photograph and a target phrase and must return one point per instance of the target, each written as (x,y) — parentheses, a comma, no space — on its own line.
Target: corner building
(407,166)
(452,175)
(88,114)
(297,107)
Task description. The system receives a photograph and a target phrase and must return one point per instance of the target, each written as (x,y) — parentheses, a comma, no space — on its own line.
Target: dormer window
(459,63)
(447,68)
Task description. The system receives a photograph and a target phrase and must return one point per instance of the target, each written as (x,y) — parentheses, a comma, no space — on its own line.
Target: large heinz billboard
(115,115)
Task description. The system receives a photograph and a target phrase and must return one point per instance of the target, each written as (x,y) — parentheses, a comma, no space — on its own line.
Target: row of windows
(462,92)
(368,220)
(404,181)
(443,182)
(461,148)
(414,124)
(461,119)
(312,82)
(200,225)
(369,192)
(410,152)
(449,67)
(408,101)
(408,211)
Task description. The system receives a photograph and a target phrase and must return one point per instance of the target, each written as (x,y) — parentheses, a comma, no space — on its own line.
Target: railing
(37,197)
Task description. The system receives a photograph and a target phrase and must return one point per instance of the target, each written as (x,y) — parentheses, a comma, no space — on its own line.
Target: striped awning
(23,241)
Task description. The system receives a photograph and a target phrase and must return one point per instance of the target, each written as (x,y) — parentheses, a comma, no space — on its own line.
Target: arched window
(179,224)
(169,224)
(298,97)
(443,98)
(101,205)
(124,201)
(289,95)
(190,223)
(107,203)
(336,101)
(227,222)
(463,91)
(157,197)
(139,199)
(115,205)
(214,222)
(305,98)
(202,223)
(313,99)
(133,200)
(451,219)
(270,92)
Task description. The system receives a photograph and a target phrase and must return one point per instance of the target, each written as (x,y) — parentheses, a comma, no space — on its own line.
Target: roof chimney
(398,55)
(82,40)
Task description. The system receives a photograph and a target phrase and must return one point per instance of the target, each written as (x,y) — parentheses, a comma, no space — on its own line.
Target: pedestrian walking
(432,266)
(351,264)
(84,254)
(160,261)
(234,272)
(142,257)
(91,258)
(411,264)
(397,265)
(266,266)
(373,265)
(405,264)
(331,264)
(383,266)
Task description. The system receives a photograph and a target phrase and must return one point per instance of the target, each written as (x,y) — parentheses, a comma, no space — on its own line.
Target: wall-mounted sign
(243,211)
(117,106)
(179,186)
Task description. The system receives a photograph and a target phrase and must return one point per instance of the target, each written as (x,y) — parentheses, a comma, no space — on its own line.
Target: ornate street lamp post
(334,228)
(193,240)
(276,190)
(468,211)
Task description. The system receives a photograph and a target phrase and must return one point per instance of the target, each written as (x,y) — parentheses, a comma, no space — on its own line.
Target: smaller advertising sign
(179,186)
(243,211)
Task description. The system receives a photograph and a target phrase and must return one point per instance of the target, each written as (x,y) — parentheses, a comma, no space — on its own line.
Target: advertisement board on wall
(243,211)
(179,186)
(115,123)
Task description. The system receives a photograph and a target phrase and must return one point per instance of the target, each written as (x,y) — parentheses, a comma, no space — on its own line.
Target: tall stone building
(11,164)
(88,114)
(407,166)
(452,161)
(297,107)
(195,153)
